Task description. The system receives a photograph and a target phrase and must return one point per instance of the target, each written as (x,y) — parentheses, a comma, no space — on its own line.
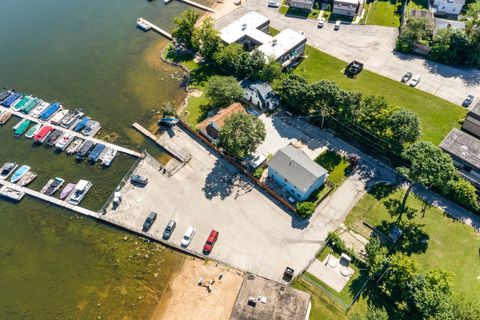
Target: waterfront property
(292,169)
(448,7)
(259,94)
(210,127)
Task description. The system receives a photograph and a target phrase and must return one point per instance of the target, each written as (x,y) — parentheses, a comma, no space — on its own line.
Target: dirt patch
(185,299)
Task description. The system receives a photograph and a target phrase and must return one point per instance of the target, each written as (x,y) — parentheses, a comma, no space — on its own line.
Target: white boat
(143,24)
(90,128)
(108,157)
(27,178)
(79,192)
(64,141)
(71,118)
(74,146)
(33,131)
(15,127)
(58,117)
(35,113)
(11,193)
(7,170)
(52,186)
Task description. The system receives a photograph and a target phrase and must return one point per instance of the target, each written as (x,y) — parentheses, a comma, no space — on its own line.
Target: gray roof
(295,166)
(303,1)
(475,110)
(463,146)
(444,24)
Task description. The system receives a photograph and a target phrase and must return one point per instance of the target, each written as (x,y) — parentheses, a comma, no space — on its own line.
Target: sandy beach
(186,300)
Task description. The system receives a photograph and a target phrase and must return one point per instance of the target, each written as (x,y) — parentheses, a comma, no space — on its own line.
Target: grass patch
(185,58)
(193,112)
(451,244)
(298,13)
(384,13)
(417,4)
(337,166)
(283,10)
(438,116)
(273,32)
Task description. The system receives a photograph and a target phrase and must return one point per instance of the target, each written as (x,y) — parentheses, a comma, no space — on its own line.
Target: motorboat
(24,124)
(64,141)
(71,117)
(79,192)
(109,156)
(19,173)
(35,113)
(11,99)
(15,127)
(143,24)
(84,150)
(75,146)
(58,117)
(4,94)
(11,193)
(96,152)
(19,104)
(54,137)
(43,134)
(52,186)
(7,169)
(33,130)
(5,116)
(66,191)
(81,124)
(32,103)
(27,178)
(51,109)
(90,127)
(169,121)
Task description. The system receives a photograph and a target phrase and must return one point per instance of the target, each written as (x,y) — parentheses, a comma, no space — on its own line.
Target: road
(373,45)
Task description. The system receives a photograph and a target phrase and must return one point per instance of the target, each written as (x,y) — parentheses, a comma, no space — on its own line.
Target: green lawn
(288,11)
(451,244)
(192,113)
(438,116)
(384,13)
(417,4)
(336,165)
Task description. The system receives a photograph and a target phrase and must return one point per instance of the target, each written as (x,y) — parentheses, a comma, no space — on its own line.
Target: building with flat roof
(302,4)
(263,299)
(286,46)
(448,7)
(472,121)
(465,152)
(211,126)
(345,7)
(292,169)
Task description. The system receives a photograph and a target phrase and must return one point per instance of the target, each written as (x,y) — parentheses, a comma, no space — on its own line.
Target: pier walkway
(159,30)
(76,134)
(198,5)
(49,199)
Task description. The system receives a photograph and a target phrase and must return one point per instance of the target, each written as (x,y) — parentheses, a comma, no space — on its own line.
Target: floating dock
(76,134)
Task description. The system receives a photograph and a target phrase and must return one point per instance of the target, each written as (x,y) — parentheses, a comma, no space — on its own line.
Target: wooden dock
(49,199)
(159,30)
(76,134)
(198,5)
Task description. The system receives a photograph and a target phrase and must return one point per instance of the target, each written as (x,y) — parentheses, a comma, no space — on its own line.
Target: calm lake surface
(55,264)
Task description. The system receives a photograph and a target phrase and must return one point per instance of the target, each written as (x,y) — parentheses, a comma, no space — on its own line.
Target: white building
(302,4)
(448,7)
(345,7)
(251,30)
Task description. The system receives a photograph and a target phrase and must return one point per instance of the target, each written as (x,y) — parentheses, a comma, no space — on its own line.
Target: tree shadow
(297,13)
(219,182)
(329,160)
(413,239)
(382,190)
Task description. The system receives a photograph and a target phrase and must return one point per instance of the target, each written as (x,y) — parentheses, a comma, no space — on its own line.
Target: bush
(464,193)
(306,208)
(258,172)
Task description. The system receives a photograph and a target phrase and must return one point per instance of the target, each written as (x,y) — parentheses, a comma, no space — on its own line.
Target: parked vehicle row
(412,81)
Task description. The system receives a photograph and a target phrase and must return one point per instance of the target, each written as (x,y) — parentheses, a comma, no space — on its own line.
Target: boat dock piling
(76,134)
(159,30)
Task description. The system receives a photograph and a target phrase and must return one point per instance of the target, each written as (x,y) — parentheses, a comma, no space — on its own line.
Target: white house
(302,4)
(292,169)
(345,7)
(448,7)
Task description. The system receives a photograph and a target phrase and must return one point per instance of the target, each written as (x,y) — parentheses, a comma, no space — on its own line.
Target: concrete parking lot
(374,46)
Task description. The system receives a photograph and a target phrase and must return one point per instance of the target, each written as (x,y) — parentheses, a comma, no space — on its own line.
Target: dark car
(468,101)
(212,238)
(139,179)
(167,233)
(407,77)
(149,221)
(288,274)
(353,68)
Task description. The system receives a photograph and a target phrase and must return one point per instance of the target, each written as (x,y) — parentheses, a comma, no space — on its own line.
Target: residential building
(292,169)
(259,94)
(472,121)
(441,24)
(211,126)
(448,7)
(345,7)
(465,152)
(251,30)
(263,299)
(302,4)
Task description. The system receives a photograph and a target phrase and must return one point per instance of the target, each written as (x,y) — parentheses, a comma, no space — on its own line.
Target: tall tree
(376,256)
(375,114)
(401,274)
(465,194)
(294,93)
(405,126)
(206,40)
(325,98)
(241,135)
(223,91)
(232,59)
(184,27)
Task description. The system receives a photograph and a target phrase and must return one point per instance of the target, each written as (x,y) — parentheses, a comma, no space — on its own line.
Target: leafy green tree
(402,272)
(405,126)
(465,194)
(325,98)
(375,114)
(376,256)
(185,26)
(223,91)
(271,71)
(473,11)
(232,59)
(241,135)
(464,309)
(294,93)
(306,208)
(255,65)
(206,40)
(414,30)
(374,313)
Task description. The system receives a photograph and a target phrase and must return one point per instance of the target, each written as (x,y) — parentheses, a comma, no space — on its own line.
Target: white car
(414,81)
(187,237)
(337,25)
(321,22)
(273,3)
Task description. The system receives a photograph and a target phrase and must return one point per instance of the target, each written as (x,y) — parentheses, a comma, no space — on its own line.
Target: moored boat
(74,146)
(84,149)
(27,178)
(42,134)
(7,169)
(12,193)
(143,24)
(71,117)
(5,116)
(52,186)
(4,94)
(66,191)
(81,124)
(90,127)
(19,173)
(51,109)
(57,118)
(108,157)
(30,105)
(35,113)
(79,192)
(96,152)
(33,130)
(54,137)
(17,106)
(19,123)
(64,141)
(12,98)
(25,123)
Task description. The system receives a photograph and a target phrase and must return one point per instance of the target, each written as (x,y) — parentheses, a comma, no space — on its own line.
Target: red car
(212,238)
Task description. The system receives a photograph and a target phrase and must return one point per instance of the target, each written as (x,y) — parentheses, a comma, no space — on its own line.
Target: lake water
(55,264)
